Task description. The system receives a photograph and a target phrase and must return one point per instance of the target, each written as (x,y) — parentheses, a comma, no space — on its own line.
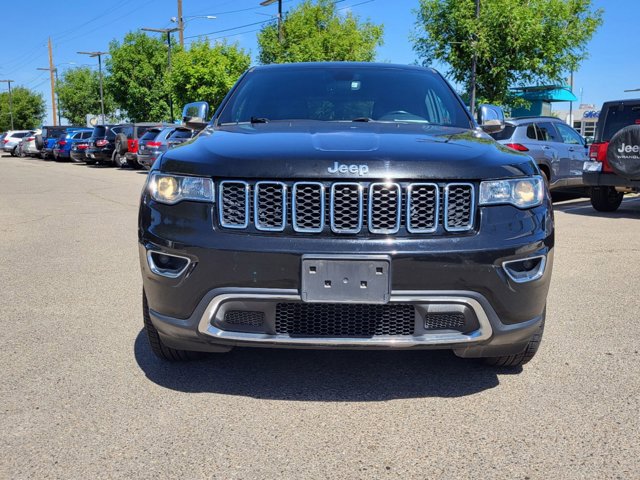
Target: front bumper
(462,269)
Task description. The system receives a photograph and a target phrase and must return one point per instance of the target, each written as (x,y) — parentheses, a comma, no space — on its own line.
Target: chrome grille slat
(270,206)
(423,207)
(346,207)
(384,202)
(365,208)
(307,207)
(459,207)
(233,204)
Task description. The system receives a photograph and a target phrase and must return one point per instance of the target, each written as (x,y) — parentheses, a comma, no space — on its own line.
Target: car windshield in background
(337,93)
(618,117)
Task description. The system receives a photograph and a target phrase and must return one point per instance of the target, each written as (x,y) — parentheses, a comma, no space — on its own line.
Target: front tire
(159,349)
(605,199)
(521,358)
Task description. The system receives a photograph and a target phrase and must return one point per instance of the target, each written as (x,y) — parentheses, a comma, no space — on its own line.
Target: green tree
(137,78)
(206,72)
(28,109)
(79,94)
(517,42)
(317,32)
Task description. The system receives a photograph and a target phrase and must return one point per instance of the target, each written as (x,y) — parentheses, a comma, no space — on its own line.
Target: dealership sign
(591,114)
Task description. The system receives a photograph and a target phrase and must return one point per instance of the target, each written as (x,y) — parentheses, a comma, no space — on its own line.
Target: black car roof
(618,102)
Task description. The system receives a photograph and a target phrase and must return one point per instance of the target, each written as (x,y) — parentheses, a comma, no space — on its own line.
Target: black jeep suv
(615,155)
(346,205)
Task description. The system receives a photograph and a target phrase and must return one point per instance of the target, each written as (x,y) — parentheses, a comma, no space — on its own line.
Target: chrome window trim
(436,218)
(256,191)
(294,217)
(163,272)
(360,208)
(537,272)
(370,208)
(246,204)
(484,331)
(446,207)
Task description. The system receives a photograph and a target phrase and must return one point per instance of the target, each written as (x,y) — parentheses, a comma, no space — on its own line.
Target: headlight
(522,192)
(171,189)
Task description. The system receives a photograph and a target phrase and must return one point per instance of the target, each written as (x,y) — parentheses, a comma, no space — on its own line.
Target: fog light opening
(166,264)
(525,269)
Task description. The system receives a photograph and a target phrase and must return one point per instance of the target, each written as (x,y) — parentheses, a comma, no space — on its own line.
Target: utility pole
(571,103)
(474,63)
(53,87)
(10,101)
(168,31)
(99,55)
(181,24)
(266,3)
(55,71)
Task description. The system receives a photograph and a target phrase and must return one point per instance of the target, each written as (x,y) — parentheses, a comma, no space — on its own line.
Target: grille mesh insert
(242,317)
(444,321)
(344,320)
(346,208)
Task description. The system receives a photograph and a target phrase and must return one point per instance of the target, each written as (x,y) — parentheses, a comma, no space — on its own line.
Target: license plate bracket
(346,279)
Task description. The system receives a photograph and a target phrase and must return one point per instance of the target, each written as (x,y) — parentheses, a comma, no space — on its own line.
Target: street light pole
(99,55)
(474,64)
(10,101)
(168,31)
(266,3)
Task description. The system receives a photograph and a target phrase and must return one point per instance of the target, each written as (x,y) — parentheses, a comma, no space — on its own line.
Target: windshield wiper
(259,120)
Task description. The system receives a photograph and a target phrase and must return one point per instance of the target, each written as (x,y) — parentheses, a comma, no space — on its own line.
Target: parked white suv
(12,139)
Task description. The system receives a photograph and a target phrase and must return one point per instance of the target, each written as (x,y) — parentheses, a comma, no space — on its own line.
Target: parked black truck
(346,205)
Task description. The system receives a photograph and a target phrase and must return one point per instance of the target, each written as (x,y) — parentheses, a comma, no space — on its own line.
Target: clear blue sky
(80,25)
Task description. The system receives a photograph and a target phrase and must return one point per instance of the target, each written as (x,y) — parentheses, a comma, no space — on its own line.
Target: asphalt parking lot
(83,397)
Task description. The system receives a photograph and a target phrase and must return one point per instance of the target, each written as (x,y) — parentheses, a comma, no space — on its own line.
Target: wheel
(118,160)
(14,152)
(159,349)
(606,199)
(522,357)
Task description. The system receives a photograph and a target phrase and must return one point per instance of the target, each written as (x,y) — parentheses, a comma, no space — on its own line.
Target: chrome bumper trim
(483,333)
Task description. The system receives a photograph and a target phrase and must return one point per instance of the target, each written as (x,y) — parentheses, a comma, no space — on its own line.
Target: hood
(336,150)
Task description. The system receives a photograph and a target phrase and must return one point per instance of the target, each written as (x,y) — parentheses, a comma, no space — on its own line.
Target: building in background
(584,119)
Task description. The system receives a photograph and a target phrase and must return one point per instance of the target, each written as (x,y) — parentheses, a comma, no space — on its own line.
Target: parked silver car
(558,149)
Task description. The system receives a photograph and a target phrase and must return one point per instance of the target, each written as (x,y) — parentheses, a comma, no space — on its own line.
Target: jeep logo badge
(343,168)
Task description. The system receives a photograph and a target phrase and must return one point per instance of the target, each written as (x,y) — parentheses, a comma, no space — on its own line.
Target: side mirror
(491,118)
(195,114)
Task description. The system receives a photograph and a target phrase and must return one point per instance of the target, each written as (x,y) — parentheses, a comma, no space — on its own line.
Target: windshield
(338,93)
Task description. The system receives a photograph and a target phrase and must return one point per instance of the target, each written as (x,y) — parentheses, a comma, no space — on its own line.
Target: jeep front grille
(347,207)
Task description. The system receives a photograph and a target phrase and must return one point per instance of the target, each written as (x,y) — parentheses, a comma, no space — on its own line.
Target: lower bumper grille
(344,320)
